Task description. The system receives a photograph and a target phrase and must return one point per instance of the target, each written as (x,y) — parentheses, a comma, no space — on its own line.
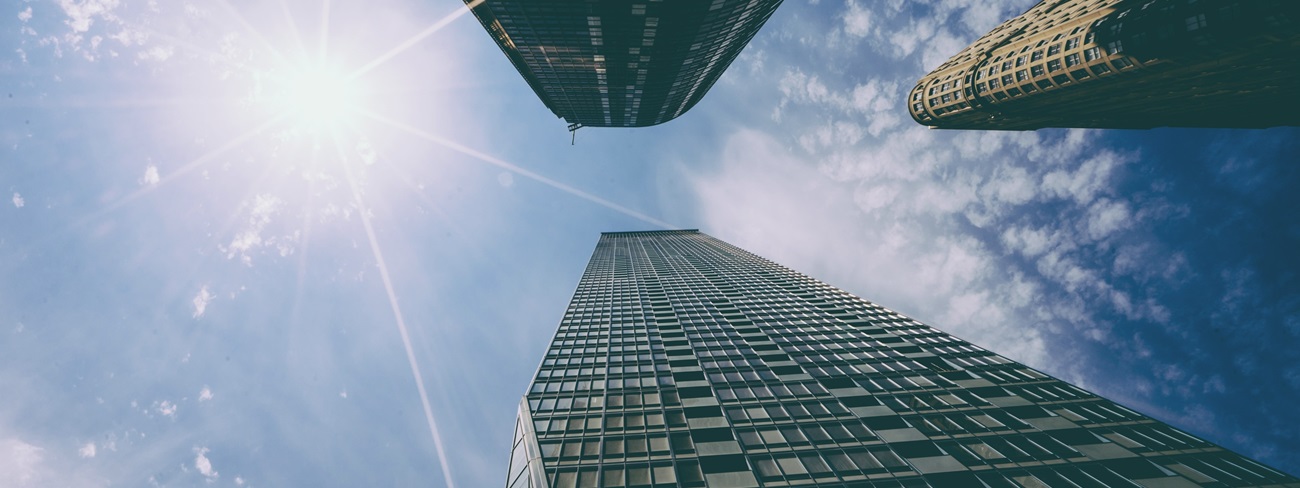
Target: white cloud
(165,408)
(203,464)
(150,176)
(201,301)
(87,450)
(878,247)
(20,463)
(205,394)
(18,200)
(1105,216)
(81,15)
(1087,181)
(261,209)
(25,15)
(857,20)
(156,53)
(897,201)
(367,152)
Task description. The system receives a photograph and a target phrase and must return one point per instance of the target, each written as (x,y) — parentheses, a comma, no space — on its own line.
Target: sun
(317,98)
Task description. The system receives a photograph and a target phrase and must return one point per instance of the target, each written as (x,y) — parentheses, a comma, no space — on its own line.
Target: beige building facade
(1123,64)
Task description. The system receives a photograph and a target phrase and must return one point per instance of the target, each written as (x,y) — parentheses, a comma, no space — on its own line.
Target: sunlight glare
(319,98)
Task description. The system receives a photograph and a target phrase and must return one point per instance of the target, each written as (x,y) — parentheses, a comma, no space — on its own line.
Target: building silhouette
(1131,64)
(621,63)
(685,361)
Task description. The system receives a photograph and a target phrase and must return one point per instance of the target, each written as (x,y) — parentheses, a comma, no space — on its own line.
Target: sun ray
(323,50)
(266,44)
(397,314)
(293,27)
(100,102)
(455,14)
(521,171)
(304,245)
(183,170)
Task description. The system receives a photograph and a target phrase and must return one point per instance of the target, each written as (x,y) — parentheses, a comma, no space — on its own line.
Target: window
(1123,63)
(1020,61)
(1195,22)
(1036,56)
(1054,49)
(1007,80)
(1006,66)
(1092,36)
(993,85)
(1115,47)
(993,70)
(1072,44)
(1053,65)
(1072,60)
(1101,69)
(1022,75)
(1091,53)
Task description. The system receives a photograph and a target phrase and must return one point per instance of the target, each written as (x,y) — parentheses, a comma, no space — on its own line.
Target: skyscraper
(623,63)
(1123,64)
(685,361)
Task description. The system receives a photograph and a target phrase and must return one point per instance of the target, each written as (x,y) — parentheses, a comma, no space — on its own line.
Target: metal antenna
(573,132)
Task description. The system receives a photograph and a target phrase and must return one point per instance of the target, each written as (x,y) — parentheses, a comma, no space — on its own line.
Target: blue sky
(192,292)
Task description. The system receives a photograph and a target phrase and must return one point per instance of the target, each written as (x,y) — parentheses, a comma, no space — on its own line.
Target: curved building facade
(1131,64)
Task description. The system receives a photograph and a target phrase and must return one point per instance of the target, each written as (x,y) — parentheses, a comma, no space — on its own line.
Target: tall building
(685,361)
(1131,64)
(621,63)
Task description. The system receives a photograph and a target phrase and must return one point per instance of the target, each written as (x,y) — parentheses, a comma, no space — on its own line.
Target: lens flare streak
(522,172)
(415,39)
(397,314)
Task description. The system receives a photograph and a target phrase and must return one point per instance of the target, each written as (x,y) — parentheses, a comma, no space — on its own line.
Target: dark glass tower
(1123,64)
(621,63)
(685,361)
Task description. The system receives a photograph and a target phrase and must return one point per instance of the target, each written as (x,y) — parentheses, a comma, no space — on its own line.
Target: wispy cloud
(150,176)
(165,408)
(201,301)
(261,210)
(87,450)
(1052,247)
(203,464)
(20,462)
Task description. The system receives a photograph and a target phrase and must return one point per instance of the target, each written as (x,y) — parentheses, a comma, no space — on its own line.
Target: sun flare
(318,98)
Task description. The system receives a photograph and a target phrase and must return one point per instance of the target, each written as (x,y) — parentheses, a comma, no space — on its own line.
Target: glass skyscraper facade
(685,361)
(621,63)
